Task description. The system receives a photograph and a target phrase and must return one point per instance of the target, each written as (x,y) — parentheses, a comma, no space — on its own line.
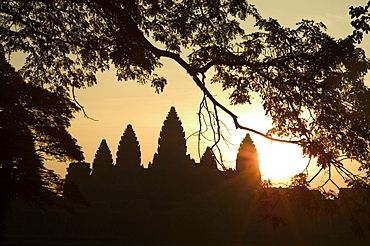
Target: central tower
(171,144)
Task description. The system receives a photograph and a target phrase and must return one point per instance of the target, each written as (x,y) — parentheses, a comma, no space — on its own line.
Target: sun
(278,162)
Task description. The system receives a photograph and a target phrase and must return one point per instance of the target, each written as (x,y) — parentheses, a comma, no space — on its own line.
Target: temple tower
(171,145)
(78,172)
(128,154)
(128,171)
(247,163)
(172,170)
(208,159)
(208,175)
(103,162)
(78,176)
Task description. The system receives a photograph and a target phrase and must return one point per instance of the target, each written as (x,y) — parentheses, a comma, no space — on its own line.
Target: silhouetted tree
(33,126)
(296,72)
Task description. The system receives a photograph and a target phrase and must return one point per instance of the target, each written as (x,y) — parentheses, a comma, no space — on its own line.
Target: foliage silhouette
(360,22)
(33,126)
(311,84)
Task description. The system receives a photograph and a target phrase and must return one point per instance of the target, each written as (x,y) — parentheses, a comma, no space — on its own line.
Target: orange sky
(115,104)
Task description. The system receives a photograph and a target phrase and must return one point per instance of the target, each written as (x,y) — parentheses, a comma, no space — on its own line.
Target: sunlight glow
(278,162)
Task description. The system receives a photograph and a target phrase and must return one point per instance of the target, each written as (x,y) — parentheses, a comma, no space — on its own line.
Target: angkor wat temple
(171,176)
(177,201)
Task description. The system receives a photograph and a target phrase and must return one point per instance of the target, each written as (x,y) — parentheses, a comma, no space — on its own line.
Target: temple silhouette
(177,201)
(171,176)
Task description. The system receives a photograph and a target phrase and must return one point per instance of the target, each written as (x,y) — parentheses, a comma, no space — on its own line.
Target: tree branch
(193,72)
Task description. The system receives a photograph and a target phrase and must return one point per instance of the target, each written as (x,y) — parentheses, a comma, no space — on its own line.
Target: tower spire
(247,162)
(103,160)
(172,136)
(209,159)
(171,143)
(128,154)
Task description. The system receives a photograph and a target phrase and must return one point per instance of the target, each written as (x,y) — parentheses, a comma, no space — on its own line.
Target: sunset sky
(115,103)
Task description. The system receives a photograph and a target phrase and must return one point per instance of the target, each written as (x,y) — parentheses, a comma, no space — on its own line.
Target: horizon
(117,104)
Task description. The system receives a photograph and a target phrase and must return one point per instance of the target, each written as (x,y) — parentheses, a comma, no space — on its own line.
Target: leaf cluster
(33,125)
(360,22)
(67,42)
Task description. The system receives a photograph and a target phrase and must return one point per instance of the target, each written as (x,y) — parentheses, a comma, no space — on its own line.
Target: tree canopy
(311,84)
(33,123)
